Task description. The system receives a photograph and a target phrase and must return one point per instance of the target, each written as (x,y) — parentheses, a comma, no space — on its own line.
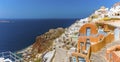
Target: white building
(114,12)
(102,12)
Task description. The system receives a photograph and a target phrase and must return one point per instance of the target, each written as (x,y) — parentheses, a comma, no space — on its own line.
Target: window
(119,33)
(73,59)
(88,31)
(80,59)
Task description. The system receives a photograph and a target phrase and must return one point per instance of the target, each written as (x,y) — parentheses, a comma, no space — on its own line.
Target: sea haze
(16,34)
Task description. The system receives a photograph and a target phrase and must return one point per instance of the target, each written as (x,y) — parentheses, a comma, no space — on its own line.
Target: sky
(36,9)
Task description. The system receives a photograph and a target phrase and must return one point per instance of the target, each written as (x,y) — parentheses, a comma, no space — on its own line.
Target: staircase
(8,56)
(100,56)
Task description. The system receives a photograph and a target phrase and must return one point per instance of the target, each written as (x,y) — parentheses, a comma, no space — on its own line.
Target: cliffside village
(92,39)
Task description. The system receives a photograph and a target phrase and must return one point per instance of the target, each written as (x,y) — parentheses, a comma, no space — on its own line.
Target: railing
(11,56)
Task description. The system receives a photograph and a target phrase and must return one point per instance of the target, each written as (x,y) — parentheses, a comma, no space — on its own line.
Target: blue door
(88,31)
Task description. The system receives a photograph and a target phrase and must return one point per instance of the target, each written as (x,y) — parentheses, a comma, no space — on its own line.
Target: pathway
(60,55)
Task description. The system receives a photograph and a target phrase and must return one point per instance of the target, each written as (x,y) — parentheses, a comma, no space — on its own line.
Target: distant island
(4,21)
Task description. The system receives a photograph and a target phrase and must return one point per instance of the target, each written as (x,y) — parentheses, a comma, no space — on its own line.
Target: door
(87,44)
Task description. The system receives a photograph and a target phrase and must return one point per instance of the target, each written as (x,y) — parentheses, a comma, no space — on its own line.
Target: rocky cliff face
(44,42)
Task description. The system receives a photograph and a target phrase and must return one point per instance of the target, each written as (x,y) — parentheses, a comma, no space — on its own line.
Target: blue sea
(16,34)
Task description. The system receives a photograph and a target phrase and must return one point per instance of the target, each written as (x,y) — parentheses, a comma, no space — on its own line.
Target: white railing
(11,56)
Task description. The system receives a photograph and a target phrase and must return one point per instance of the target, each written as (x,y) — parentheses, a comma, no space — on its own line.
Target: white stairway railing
(11,56)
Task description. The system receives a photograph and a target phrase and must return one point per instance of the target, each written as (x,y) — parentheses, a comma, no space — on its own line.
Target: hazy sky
(50,8)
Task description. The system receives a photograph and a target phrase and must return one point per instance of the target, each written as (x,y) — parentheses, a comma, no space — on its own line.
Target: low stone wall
(97,47)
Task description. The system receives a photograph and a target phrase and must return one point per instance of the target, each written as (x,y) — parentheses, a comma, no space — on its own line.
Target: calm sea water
(20,33)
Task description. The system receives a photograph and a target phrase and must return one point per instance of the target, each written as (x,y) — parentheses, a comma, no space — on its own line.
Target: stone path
(100,56)
(60,55)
